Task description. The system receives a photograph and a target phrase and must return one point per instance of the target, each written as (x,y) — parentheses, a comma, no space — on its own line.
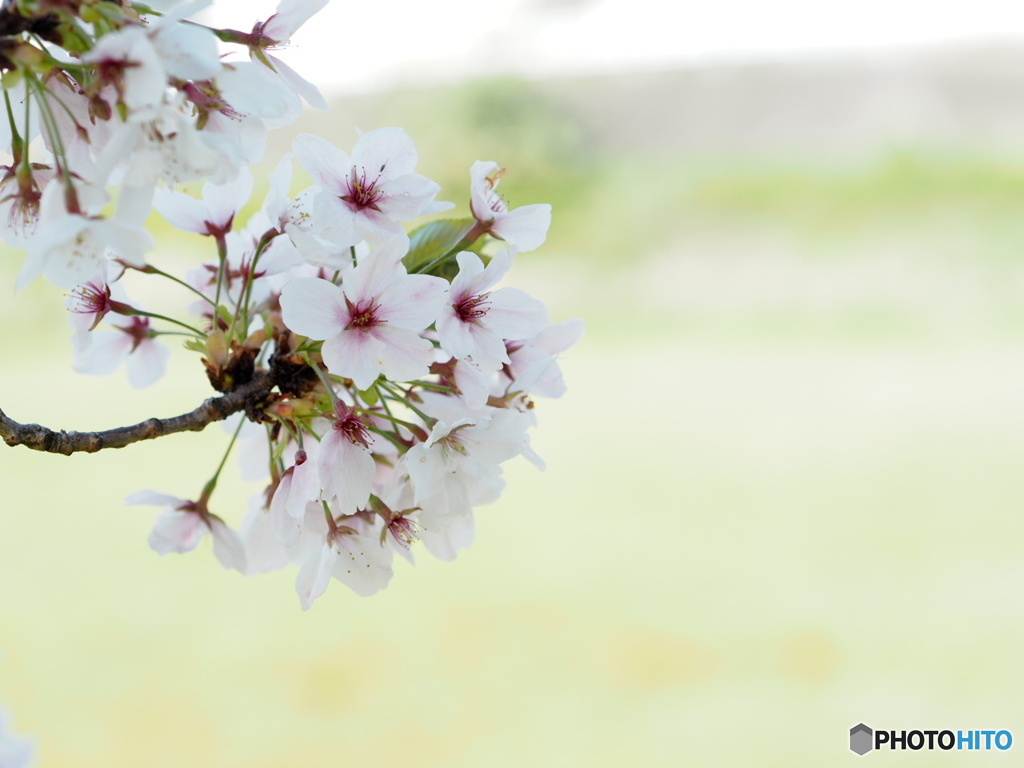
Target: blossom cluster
(389,375)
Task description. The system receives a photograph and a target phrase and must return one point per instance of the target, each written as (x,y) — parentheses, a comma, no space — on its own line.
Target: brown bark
(39,438)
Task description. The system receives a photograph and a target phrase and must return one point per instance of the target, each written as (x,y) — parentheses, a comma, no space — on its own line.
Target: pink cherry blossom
(213,214)
(349,551)
(183,523)
(132,343)
(474,321)
(20,198)
(370,324)
(443,521)
(299,485)
(346,461)
(367,195)
(428,382)
(89,303)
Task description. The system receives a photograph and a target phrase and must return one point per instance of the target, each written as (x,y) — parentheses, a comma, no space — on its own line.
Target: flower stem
(323,380)
(389,437)
(222,257)
(402,397)
(16,142)
(267,238)
(393,419)
(149,269)
(155,316)
(212,484)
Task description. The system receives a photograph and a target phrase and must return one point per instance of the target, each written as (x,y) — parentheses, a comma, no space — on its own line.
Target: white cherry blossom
(299,485)
(249,88)
(182,524)
(69,248)
(443,523)
(127,60)
(526,227)
(186,51)
(263,550)
(19,203)
(368,195)
(162,143)
(475,321)
(533,363)
(214,213)
(346,461)
(349,551)
(369,324)
(275,33)
(428,383)
(132,344)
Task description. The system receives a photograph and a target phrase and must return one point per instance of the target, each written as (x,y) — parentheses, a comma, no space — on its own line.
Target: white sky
(351,46)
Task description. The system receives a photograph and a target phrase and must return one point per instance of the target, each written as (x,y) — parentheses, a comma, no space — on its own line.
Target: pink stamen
(472,308)
(349,425)
(404,531)
(361,192)
(362,316)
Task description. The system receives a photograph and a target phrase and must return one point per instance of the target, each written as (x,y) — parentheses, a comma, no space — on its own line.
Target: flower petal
(346,471)
(407,196)
(325,163)
(286,528)
(386,151)
(412,301)
(147,364)
(314,575)
(355,355)
(405,355)
(515,314)
(526,227)
(227,546)
(313,307)
(176,530)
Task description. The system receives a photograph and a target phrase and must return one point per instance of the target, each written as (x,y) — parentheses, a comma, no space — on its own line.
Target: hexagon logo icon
(861,739)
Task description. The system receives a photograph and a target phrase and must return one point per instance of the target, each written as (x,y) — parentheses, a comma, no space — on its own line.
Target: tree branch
(12,23)
(39,438)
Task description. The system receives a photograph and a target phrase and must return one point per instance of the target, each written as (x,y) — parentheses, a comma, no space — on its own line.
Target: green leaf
(371,397)
(435,239)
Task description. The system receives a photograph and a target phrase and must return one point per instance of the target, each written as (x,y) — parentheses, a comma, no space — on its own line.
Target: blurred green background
(783,493)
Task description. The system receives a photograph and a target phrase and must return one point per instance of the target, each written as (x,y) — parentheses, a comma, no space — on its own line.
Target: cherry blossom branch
(12,23)
(40,438)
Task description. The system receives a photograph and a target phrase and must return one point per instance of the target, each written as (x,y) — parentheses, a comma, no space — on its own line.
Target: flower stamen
(362,193)
(472,308)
